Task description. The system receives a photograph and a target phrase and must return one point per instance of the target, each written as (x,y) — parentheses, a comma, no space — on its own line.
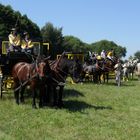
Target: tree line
(53,35)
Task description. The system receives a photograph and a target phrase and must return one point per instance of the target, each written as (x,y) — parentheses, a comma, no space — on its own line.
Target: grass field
(91,112)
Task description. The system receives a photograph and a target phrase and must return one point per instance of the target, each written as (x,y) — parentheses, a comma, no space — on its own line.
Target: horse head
(42,67)
(70,67)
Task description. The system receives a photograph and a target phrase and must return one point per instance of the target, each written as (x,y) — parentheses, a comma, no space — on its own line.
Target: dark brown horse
(62,68)
(34,75)
(108,67)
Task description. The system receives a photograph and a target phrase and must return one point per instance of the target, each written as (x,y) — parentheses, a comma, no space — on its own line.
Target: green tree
(74,44)
(10,18)
(137,55)
(108,45)
(54,37)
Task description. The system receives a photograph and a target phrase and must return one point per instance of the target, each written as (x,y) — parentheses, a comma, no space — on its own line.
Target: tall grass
(91,112)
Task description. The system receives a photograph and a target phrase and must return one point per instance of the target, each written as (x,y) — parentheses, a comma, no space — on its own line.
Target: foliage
(54,36)
(74,44)
(137,55)
(91,112)
(10,18)
(108,45)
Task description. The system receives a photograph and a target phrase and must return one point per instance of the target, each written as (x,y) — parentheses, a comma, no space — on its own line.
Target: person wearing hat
(27,44)
(14,40)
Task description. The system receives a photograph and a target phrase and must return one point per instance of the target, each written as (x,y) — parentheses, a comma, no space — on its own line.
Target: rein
(55,68)
(23,84)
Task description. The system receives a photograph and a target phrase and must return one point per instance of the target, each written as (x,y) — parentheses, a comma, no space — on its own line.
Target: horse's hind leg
(17,96)
(16,93)
(21,94)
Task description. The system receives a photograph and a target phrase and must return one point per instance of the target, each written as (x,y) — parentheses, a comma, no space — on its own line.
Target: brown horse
(61,68)
(108,67)
(34,75)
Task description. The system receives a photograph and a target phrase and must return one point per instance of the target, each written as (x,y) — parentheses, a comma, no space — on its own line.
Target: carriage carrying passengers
(14,41)
(27,44)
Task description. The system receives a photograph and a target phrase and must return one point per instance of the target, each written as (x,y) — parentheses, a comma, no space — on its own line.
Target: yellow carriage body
(70,55)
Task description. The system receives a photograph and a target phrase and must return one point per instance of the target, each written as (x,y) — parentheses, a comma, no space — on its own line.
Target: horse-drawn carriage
(9,59)
(72,55)
(37,74)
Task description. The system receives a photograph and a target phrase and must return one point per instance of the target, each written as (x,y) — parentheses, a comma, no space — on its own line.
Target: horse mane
(55,64)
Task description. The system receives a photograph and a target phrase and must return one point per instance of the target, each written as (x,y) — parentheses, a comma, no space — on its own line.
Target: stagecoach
(9,59)
(74,55)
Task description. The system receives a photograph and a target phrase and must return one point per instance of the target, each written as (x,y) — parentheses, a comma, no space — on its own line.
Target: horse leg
(21,94)
(16,92)
(54,96)
(42,96)
(47,99)
(60,102)
(34,98)
(17,96)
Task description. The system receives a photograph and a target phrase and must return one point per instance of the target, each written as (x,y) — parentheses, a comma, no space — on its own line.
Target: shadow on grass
(75,106)
(72,93)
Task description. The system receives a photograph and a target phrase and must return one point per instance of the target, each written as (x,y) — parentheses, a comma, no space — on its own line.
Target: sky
(89,20)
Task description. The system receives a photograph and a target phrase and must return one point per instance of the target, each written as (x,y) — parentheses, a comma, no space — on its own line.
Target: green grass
(91,112)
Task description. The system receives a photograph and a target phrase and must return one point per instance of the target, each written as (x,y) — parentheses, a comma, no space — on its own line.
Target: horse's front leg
(17,96)
(34,98)
(42,95)
(54,96)
(60,102)
(21,94)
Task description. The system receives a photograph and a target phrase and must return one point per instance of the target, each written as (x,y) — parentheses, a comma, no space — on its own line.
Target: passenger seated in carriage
(27,45)
(14,41)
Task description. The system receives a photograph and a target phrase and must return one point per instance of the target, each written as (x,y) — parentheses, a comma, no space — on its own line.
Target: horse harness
(34,69)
